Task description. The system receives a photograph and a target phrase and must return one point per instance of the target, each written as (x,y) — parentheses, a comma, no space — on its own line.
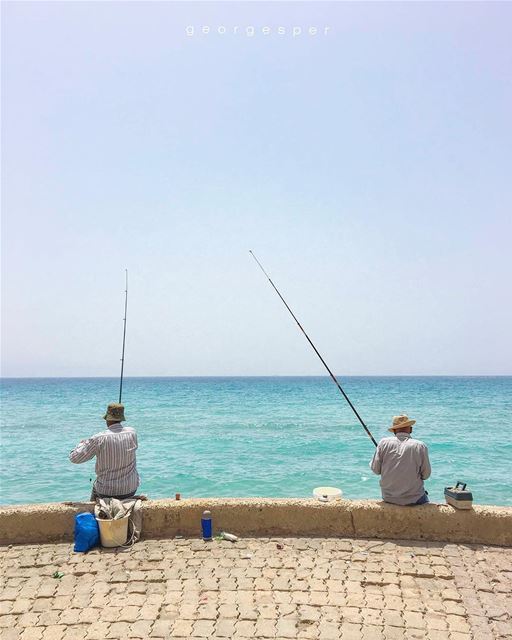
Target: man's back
(115,451)
(116,460)
(403,464)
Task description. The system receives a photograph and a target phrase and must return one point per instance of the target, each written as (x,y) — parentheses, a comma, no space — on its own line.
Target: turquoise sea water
(255,436)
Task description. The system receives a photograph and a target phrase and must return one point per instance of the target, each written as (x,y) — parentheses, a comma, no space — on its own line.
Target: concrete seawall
(275,517)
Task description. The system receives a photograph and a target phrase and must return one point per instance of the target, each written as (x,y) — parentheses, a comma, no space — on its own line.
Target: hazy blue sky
(369,169)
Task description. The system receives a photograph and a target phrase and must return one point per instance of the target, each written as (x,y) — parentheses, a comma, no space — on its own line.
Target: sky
(366,164)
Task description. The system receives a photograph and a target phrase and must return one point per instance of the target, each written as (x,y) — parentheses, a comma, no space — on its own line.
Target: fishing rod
(333,377)
(124,337)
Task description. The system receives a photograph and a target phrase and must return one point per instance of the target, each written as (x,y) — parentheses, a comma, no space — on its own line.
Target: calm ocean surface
(255,436)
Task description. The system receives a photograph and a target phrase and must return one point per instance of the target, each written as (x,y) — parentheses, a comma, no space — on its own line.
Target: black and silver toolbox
(458,496)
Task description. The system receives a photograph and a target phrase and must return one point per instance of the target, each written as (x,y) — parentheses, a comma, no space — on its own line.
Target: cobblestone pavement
(326,589)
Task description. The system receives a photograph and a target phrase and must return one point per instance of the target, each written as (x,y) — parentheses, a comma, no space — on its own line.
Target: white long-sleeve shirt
(116,464)
(403,465)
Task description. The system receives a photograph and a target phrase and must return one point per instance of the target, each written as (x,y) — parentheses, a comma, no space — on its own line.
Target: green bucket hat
(115,412)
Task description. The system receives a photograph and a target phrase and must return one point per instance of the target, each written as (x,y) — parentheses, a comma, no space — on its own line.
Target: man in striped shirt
(116,464)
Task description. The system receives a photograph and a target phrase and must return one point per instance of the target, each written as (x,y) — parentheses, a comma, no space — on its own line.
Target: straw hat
(115,412)
(399,422)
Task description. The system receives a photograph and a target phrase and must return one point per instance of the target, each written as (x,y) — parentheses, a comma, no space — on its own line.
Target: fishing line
(333,377)
(124,337)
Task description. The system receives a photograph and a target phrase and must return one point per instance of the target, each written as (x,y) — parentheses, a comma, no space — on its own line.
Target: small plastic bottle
(229,536)
(206,525)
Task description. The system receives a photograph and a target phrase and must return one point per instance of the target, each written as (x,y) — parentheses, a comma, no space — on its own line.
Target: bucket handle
(463,484)
(129,543)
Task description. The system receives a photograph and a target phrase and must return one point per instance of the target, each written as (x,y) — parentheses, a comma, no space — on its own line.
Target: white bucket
(326,494)
(113,533)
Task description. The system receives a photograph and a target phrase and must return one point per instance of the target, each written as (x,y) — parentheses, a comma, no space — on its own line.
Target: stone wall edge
(45,523)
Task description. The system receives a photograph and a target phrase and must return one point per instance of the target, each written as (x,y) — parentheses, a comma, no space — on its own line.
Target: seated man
(403,465)
(114,448)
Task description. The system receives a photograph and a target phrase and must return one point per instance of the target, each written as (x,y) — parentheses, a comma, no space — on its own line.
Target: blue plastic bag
(87,534)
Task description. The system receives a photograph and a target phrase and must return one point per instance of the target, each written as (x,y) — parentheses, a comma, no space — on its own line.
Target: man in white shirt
(403,465)
(116,463)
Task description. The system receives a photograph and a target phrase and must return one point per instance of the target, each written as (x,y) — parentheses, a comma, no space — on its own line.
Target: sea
(255,436)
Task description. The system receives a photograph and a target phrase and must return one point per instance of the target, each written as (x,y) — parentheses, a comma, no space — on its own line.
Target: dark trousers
(95,495)
(423,500)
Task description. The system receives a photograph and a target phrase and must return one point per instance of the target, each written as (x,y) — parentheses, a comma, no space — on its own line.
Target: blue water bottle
(206,525)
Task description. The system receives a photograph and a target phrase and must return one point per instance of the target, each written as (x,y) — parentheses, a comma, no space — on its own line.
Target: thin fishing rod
(334,379)
(124,336)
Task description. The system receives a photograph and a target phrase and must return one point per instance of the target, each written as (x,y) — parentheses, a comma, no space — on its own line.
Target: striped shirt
(116,465)
(403,464)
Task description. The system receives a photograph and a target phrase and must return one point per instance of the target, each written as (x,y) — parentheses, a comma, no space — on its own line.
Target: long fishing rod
(334,379)
(124,336)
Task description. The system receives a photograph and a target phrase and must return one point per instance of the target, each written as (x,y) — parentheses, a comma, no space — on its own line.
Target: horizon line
(372,375)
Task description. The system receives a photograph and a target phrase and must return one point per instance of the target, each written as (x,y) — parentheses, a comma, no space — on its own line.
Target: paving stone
(70,616)
(417,634)
(503,629)
(394,633)
(129,614)
(54,632)
(207,612)
(455,635)
(414,620)
(76,632)
(225,627)
(436,621)
(27,620)
(393,618)
(286,628)
(49,618)
(244,628)
(265,628)
(203,628)
(148,612)
(350,631)
(97,630)
(373,633)
(182,629)
(118,630)
(161,628)
(228,611)
(10,634)
(9,594)
(32,633)
(21,605)
(140,629)
(457,624)
(328,631)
